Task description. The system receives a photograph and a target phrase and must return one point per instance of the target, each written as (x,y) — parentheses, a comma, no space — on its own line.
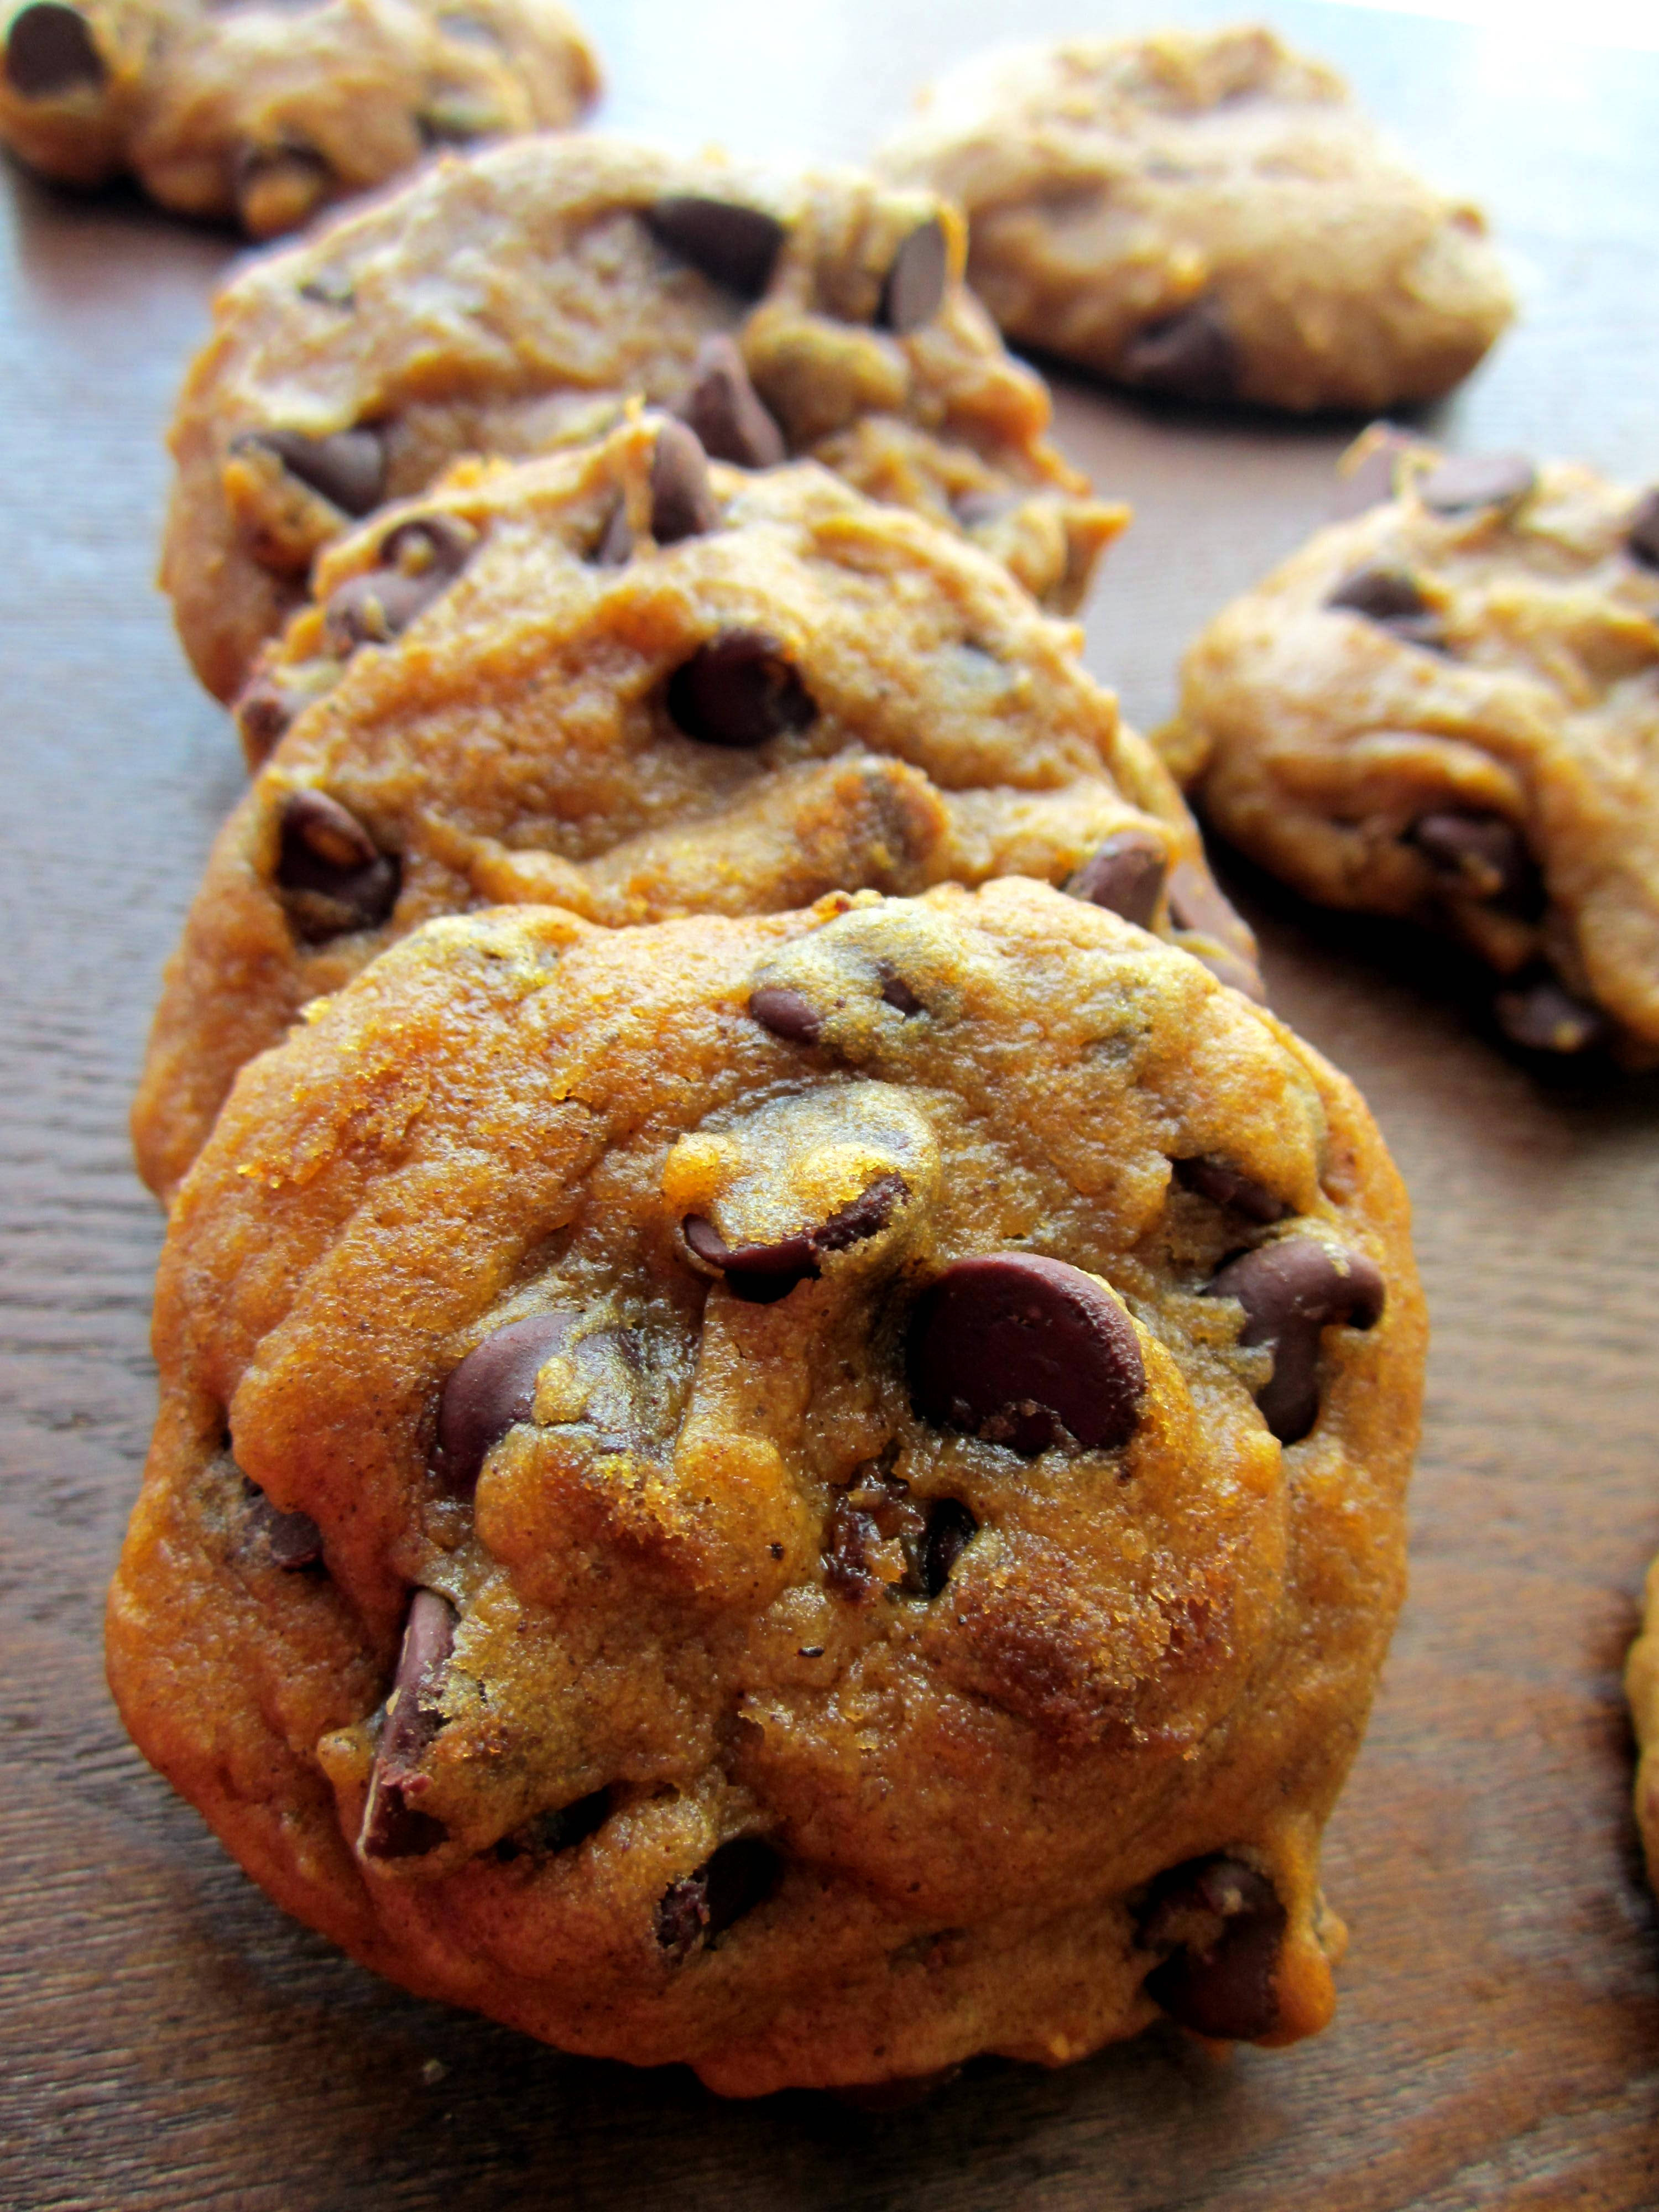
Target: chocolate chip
(287,1541)
(1542,1015)
(1371,483)
(914,290)
(786,1013)
(335,878)
(896,993)
(1482,856)
(950,1528)
(50,49)
(760,1275)
(394,1826)
(1467,480)
(264,712)
(493,1387)
(560,1830)
(737,246)
(738,690)
(1292,1291)
(740,1875)
(1189,356)
(1223,1184)
(682,503)
(1125,875)
(1643,536)
(727,413)
(1196,903)
(347,468)
(418,562)
(615,546)
(1028,1351)
(1391,599)
(1219,1980)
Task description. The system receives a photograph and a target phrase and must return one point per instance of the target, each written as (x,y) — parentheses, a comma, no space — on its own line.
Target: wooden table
(170,2039)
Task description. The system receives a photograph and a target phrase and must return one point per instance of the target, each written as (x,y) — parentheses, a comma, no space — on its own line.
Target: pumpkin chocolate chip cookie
(1642,1687)
(1207,215)
(265,113)
(517,299)
(809,1495)
(637,685)
(1446,707)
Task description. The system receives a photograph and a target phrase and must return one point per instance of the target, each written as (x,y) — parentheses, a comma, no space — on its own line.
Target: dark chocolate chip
(1482,856)
(287,1541)
(418,562)
(876,1507)
(560,1829)
(1196,903)
(763,1274)
(786,1013)
(1542,1015)
(1290,1291)
(264,712)
(867,1215)
(1125,875)
(326,291)
(896,993)
(1643,536)
(50,49)
(950,1528)
(1372,483)
(740,1875)
(914,290)
(1025,1350)
(1466,481)
(1390,597)
(727,413)
(1190,355)
(738,690)
(347,468)
(737,246)
(394,1826)
(1219,1981)
(334,877)
(1223,1184)
(493,1387)
(615,547)
(682,503)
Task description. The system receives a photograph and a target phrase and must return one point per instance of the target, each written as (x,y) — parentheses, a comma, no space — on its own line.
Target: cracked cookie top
(637,684)
(810,1494)
(517,299)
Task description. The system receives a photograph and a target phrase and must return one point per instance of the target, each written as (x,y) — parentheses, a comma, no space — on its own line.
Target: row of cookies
(695,1450)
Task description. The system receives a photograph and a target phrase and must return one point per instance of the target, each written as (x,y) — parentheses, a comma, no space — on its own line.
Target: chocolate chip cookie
(1642,1687)
(1206,215)
(810,1494)
(1447,707)
(637,684)
(265,112)
(515,300)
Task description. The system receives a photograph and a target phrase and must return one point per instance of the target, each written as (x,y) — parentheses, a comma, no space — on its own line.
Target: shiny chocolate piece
(1125,875)
(726,412)
(419,561)
(734,245)
(763,1274)
(1292,1290)
(1220,1980)
(493,1387)
(332,876)
(1223,1184)
(346,467)
(1187,355)
(786,1013)
(51,51)
(914,290)
(682,503)
(739,691)
(394,1825)
(1541,1014)
(1480,856)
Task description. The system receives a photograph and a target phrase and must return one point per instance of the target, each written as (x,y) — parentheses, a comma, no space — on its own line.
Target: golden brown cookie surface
(1642,1688)
(1447,707)
(515,300)
(625,681)
(264,113)
(869,1443)
(1207,215)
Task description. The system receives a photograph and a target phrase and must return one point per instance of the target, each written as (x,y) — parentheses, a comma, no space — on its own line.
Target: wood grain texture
(167,2039)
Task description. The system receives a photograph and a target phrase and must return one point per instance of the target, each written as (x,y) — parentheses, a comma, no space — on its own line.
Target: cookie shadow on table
(74,243)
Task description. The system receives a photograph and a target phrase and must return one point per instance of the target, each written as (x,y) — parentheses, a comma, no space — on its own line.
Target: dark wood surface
(166,2038)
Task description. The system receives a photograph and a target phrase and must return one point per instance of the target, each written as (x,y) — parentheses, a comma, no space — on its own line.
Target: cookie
(264,113)
(1642,1688)
(812,1494)
(637,685)
(1206,215)
(1446,707)
(516,299)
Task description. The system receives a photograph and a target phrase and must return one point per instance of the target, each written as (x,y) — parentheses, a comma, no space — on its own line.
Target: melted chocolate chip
(264,712)
(1196,903)
(896,993)
(493,1387)
(287,1541)
(727,413)
(347,468)
(1223,1184)
(50,49)
(760,1275)
(1643,536)
(739,1876)
(1219,1981)
(333,876)
(1391,599)
(1028,1351)
(738,690)
(875,1509)
(560,1829)
(1541,1015)
(418,562)
(786,1013)
(1125,875)
(394,1826)
(950,1528)
(682,503)
(1480,856)
(1189,356)
(1465,481)
(914,290)
(1292,1291)
(737,246)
